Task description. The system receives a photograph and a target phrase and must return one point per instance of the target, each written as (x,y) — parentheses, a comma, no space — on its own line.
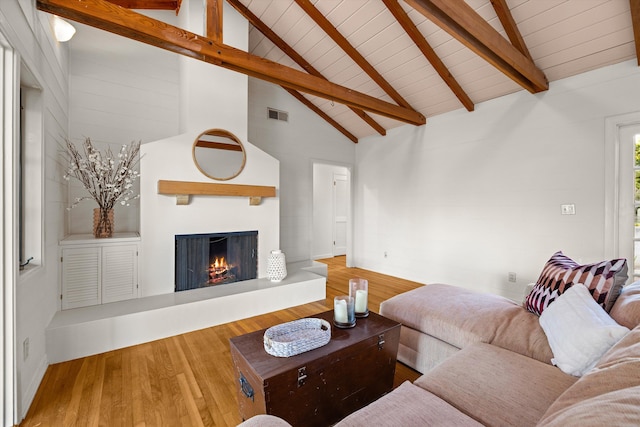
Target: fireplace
(214,259)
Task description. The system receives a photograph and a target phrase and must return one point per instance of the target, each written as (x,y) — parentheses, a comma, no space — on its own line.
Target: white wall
(472,196)
(120,90)
(162,219)
(296,144)
(36,291)
(211,97)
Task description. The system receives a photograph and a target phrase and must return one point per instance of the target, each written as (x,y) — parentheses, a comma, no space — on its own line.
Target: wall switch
(512,277)
(569,209)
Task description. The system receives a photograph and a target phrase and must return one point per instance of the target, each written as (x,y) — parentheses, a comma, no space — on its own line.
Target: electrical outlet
(512,277)
(569,209)
(25,348)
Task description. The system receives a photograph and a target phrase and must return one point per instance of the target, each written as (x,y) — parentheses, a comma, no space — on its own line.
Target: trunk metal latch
(302,375)
(380,341)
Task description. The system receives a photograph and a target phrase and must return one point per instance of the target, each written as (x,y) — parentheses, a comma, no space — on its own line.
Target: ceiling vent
(278,115)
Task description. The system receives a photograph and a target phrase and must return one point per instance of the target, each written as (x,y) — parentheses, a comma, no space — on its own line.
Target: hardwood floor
(185,380)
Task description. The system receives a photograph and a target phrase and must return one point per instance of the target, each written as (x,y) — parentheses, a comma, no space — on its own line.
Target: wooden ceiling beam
(426,49)
(635,19)
(298,59)
(149,4)
(344,44)
(510,26)
(463,23)
(213,11)
(127,23)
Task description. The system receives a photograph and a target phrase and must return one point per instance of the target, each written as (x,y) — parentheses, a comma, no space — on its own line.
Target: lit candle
(361,301)
(340,311)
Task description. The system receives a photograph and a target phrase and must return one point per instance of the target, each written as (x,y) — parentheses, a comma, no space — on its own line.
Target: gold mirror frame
(222,163)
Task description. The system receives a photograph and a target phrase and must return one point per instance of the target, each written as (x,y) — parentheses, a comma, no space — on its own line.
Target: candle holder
(359,291)
(344,312)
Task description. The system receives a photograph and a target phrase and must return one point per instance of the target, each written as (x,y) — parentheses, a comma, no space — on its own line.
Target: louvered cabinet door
(81,268)
(119,273)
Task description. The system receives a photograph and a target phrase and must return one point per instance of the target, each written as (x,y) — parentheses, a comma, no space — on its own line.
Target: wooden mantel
(183,190)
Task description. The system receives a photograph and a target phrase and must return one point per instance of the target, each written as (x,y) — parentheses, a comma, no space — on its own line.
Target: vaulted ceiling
(367,66)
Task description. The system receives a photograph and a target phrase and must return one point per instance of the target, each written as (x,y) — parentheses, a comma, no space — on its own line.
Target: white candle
(340,311)
(361,301)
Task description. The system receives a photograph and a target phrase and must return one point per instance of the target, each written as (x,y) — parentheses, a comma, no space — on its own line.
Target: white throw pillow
(579,331)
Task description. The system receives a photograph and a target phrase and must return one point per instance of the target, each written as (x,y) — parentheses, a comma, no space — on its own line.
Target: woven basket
(291,338)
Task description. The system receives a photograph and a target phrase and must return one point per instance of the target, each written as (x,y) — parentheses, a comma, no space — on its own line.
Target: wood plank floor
(185,380)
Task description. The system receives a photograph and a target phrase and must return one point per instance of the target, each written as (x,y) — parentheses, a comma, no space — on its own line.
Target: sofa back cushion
(607,395)
(626,310)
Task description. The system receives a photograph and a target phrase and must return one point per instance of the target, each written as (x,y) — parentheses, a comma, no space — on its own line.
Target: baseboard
(30,393)
(322,256)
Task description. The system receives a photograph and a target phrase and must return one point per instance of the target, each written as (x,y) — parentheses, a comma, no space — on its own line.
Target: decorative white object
(108,178)
(291,338)
(277,267)
(340,311)
(343,311)
(359,290)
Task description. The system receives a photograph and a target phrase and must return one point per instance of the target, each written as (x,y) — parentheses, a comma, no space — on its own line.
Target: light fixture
(62,29)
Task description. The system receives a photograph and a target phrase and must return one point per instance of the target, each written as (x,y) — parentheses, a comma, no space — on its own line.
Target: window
(30,171)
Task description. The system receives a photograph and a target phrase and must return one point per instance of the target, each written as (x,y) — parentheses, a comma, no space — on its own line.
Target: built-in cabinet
(98,271)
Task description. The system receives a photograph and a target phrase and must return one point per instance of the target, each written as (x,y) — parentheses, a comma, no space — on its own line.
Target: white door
(340,213)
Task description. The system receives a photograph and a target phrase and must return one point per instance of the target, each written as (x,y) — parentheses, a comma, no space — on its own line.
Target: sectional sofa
(568,355)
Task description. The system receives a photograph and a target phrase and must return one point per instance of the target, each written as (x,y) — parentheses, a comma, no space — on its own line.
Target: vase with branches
(107,177)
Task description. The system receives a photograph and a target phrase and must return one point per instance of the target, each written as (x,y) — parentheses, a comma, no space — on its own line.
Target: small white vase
(277,266)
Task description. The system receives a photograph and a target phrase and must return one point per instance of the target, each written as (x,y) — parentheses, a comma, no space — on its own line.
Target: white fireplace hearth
(91,330)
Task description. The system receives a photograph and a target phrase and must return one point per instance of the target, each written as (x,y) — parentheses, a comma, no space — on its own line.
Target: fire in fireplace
(214,259)
(219,272)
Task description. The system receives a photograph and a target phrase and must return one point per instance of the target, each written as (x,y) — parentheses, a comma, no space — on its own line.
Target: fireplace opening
(212,259)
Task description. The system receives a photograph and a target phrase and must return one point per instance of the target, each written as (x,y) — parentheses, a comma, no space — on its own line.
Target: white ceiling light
(62,29)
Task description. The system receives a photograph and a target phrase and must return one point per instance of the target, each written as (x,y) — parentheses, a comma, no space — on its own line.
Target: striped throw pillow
(603,279)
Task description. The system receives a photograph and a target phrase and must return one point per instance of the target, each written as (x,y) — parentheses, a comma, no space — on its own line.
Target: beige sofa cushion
(421,351)
(408,405)
(607,395)
(263,420)
(496,386)
(460,317)
(626,310)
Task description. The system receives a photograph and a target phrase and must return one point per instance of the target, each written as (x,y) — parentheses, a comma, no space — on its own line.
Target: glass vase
(359,290)
(102,223)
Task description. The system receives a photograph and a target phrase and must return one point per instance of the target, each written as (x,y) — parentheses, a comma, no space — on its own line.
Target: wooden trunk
(321,386)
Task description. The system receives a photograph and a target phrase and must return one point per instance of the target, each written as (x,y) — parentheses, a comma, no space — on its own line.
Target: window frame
(30,172)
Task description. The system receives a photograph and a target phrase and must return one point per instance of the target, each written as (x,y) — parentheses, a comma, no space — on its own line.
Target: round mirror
(219,154)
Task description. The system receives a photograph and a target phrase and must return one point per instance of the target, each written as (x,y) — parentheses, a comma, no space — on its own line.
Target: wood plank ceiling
(366,66)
